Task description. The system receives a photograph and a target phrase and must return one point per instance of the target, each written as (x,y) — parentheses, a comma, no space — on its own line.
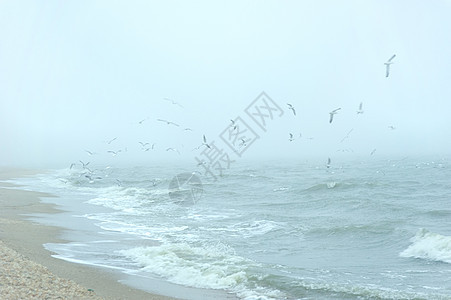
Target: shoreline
(30,270)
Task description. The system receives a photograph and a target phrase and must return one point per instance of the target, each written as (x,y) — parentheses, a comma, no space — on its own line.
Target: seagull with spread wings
(140,122)
(90,152)
(360,111)
(387,65)
(114,153)
(233,125)
(168,122)
(328,163)
(332,113)
(292,108)
(205,142)
(112,140)
(173,102)
(173,149)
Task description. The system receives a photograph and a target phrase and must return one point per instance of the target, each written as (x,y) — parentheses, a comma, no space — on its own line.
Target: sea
(354,229)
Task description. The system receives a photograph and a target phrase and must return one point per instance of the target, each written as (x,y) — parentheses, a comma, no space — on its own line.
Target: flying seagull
(372,152)
(202,162)
(328,163)
(205,142)
(360,111)
(292,108)
(243,143)
(233,124)
(173,149)
(84,164)
(387,65)
(140,122)
(89,152)
(392,127)
(168,122)
(173,102)
(114,152)
(291,137)
(332,113)
(143,144)
(110,141)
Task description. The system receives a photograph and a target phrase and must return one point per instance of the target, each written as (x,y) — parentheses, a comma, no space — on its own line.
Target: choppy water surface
(357,230)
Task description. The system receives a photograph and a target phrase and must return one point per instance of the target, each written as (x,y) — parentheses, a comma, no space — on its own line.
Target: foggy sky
(76,74)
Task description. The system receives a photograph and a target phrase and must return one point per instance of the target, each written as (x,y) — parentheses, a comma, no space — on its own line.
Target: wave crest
(430,246)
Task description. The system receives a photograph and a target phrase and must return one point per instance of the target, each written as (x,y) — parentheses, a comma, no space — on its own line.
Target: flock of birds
(146,146)
(93,174)
(335,111)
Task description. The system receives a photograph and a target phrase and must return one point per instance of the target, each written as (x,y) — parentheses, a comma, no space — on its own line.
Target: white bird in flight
(140,122)
(202,162)
(332,113)
(114,152)
(292,108)
(110,141)
(243,143)
(84,164)
(173,102)
(360,111)
(328,162)
(233,125)
(173,149)
(387,65)
(168,122)
(205,142)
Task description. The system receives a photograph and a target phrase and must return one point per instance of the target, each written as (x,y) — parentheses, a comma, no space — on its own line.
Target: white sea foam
(370,291)
(331,185)
(281,189)
(127,198)
(430,246)
(258,227)
(211,266)
(133,212)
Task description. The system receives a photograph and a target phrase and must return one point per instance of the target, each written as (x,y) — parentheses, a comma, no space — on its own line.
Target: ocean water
(369,229)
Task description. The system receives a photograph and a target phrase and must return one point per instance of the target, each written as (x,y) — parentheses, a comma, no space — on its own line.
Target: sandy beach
(27,269)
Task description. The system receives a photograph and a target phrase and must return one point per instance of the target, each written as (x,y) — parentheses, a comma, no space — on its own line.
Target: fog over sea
(326,124)
(356,229)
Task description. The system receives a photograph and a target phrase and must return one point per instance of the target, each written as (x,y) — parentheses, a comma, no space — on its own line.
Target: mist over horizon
(94,81)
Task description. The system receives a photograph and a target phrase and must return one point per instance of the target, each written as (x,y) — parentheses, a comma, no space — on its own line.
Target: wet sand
(27,269)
